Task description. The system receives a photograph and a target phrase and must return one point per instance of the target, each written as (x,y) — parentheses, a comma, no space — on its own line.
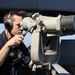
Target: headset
(8,22)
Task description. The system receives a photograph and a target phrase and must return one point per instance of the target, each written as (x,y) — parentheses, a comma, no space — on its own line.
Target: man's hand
(30,64)
(16,40)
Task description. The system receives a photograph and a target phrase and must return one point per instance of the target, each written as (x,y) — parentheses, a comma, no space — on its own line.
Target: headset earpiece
(8,22)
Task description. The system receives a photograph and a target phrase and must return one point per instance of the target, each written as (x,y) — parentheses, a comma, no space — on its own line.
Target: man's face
(16,25)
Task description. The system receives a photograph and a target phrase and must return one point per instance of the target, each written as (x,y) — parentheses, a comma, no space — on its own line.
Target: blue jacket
(8,63)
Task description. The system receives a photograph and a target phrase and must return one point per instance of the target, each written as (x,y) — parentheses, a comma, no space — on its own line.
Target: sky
(27,38)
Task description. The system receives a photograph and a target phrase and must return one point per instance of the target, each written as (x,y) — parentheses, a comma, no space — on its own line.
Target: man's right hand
(16,40)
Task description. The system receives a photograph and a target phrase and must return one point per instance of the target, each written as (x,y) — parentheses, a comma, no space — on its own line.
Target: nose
(21,28)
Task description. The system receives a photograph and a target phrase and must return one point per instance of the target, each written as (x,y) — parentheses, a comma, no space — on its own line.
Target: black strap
(4,37)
